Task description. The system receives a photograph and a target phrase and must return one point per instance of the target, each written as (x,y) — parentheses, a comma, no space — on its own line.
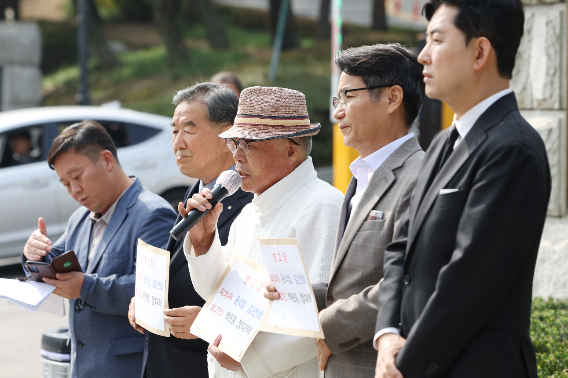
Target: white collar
(468,119)
(377,158)
(277,194)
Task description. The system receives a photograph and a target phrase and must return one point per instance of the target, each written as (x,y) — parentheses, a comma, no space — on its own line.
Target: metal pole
(336,41)
(278,39)
(83,97)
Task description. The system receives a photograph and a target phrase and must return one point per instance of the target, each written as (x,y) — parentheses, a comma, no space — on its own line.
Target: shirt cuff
(382,332)
(203,262)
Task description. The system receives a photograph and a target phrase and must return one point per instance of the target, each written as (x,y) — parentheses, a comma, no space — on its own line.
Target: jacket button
(406,279)
(147,341)
(77,308)
(79,344)
(329,298)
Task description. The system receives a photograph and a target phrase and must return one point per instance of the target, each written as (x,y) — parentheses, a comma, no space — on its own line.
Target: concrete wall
(20,57)
(540,84)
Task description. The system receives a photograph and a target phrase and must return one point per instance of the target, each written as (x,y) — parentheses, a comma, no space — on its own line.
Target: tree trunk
(324,26)
(291,35)
(98,41)
(215,31)
(165,21)
(379,16)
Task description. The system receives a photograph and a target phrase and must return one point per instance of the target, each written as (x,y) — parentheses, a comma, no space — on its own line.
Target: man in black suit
(202,112)
(456,297)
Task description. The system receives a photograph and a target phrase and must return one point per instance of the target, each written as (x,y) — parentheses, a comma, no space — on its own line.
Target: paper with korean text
(295,313)
(235,309)
(151,288)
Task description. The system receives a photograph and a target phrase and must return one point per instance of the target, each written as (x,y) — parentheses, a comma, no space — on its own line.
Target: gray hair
(221,102)
(305,145)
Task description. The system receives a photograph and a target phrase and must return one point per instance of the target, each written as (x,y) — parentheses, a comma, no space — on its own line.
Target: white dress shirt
(463,125)
(364,168)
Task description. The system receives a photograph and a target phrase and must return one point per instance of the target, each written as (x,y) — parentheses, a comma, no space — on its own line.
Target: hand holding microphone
(203,210)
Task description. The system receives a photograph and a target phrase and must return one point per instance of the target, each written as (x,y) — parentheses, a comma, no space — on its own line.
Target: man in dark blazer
(456,297)
(202,112)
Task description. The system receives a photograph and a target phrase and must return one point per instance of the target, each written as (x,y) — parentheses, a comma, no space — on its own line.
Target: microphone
(227,184)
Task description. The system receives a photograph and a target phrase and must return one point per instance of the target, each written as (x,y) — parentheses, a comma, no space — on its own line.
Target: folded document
(29,295)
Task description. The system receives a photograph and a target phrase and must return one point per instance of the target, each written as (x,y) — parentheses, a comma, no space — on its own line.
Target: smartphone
(64,263)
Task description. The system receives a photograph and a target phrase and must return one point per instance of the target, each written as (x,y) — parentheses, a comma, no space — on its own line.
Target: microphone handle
(219,193)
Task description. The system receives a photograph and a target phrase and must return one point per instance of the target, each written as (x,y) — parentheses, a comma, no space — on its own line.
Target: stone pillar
(20,57)
(540,84)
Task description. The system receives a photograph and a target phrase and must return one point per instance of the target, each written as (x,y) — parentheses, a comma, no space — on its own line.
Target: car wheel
(174,196)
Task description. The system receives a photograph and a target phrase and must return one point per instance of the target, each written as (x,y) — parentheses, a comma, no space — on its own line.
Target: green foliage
(144,82)
(549,335)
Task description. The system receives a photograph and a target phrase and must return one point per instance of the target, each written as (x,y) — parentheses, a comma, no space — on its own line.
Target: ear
(108,159)
(395,96)
(483,53)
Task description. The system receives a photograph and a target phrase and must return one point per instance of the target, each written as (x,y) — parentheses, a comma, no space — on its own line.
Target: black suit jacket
(458,277)
(170,356)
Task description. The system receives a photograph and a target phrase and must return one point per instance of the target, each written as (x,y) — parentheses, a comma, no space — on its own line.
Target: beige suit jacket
(351,298)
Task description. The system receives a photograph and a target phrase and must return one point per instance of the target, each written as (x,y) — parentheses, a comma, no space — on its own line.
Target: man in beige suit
(380,93)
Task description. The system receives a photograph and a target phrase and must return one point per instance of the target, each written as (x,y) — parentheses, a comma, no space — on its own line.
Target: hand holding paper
(132,316)
(180,320)
(223,358)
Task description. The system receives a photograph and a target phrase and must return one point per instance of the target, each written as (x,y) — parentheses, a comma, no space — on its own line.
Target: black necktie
(449,147)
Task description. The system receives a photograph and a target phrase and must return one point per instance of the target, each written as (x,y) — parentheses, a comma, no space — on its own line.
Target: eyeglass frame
(336,99)
(246,143)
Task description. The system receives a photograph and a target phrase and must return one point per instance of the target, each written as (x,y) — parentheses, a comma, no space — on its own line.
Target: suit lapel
(176,261)
(85,238)
(115,223)
(476,136)
(128,199)
(381,181)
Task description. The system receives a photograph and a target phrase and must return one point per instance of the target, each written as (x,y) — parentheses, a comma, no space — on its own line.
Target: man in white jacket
(271,142)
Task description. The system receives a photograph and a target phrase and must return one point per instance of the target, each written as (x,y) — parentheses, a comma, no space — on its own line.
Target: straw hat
(270,113)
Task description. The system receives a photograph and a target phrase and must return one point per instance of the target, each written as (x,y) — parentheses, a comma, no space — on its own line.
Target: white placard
(151,288)
(235,309)
(296,309)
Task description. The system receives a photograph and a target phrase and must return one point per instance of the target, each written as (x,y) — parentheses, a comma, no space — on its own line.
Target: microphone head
(230,180)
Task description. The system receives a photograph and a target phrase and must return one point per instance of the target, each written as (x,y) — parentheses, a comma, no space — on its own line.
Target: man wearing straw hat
(271,142)
(380,92)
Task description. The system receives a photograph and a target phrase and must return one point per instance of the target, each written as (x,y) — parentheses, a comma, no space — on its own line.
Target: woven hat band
(271,121)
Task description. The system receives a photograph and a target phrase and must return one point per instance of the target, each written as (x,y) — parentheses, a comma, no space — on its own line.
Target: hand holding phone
(66,262)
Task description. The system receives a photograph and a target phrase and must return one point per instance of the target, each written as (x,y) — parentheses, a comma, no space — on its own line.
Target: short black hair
(390,64)
(220,101)
(87,137)
(500,21)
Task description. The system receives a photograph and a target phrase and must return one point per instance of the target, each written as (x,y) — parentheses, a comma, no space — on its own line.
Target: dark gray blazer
(458,277)
(352,296)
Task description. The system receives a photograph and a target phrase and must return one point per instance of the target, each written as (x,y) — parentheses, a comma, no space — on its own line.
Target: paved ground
(20,335)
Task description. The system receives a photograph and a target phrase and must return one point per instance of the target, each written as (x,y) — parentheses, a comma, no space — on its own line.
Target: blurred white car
(30,189)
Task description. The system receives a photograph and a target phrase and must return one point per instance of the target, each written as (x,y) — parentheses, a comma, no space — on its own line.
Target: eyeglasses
(342,99)
(243,144)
